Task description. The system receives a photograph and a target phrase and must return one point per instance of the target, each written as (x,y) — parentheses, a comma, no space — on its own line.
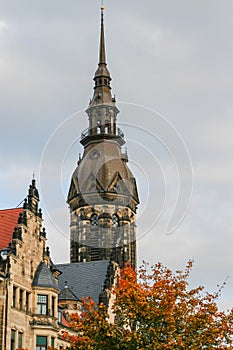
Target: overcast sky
(171,64)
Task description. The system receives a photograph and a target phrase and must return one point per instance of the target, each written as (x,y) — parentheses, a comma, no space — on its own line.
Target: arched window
(106,127)
(94,220)
(115,221)
(98,127)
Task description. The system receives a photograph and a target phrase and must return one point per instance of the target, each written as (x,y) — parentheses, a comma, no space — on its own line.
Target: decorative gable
(118,185)
(92,185)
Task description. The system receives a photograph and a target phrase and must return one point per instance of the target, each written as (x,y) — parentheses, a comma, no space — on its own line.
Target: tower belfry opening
(103,195)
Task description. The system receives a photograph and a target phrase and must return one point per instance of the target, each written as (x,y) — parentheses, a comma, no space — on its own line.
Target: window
(27,301)
(13,339)
(21,299)
(107,127)
(53,306)
(42,304)
(20,340)
(14,296)
(94,220)
(52,342)
(98,127)
(41,342)
(31,269)
(59,316)
(115,221)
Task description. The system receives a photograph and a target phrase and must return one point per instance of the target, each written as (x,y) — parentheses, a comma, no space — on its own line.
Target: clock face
(95,154)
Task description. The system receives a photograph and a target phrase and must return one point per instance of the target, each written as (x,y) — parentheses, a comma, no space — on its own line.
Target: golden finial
(102,5)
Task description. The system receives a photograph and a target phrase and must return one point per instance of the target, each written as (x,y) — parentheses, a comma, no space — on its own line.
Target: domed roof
(103,169)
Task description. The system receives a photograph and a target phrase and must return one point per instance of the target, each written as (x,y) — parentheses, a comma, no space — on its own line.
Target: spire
(102,111)
(102,58)
(102,70)
(102,90)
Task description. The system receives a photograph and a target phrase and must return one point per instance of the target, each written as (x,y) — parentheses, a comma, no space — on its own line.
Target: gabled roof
(8,221)
(44,277)
(84,279)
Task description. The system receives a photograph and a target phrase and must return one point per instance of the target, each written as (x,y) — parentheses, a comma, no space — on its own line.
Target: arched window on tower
(94,220)
(115,221)
(107,127)
(98,127)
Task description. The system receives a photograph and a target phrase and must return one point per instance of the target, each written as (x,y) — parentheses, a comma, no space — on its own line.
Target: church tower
(103,195)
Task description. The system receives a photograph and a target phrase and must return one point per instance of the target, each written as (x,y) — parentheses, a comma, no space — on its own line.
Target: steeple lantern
(102,110)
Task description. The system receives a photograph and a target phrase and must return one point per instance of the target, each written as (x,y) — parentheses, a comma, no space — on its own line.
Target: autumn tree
(154,309)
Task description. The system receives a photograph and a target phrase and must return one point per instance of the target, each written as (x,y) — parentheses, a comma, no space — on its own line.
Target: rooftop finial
(102,89)
(102,5)
(102,59)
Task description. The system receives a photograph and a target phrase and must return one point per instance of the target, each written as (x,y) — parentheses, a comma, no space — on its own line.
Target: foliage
(154,309)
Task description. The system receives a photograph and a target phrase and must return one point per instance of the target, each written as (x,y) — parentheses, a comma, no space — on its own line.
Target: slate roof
(44,277)
(67,294)
(8,221)
(84,279)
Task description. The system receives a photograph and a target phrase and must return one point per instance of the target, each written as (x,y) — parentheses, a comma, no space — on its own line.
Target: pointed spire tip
(102,57)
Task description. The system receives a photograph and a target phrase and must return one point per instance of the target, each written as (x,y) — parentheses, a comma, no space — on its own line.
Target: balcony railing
(99,130)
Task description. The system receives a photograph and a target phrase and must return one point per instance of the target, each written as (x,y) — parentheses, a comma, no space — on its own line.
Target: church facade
(37,296)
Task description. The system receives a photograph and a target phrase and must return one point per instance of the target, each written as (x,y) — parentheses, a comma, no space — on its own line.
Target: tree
(154,309)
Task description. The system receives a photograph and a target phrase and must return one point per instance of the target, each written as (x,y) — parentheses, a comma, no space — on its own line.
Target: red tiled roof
(8,221)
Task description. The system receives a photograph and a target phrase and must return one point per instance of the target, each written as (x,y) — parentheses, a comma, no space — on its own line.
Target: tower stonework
(103,195)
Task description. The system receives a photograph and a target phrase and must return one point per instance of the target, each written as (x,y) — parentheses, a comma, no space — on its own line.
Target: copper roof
(8,221)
